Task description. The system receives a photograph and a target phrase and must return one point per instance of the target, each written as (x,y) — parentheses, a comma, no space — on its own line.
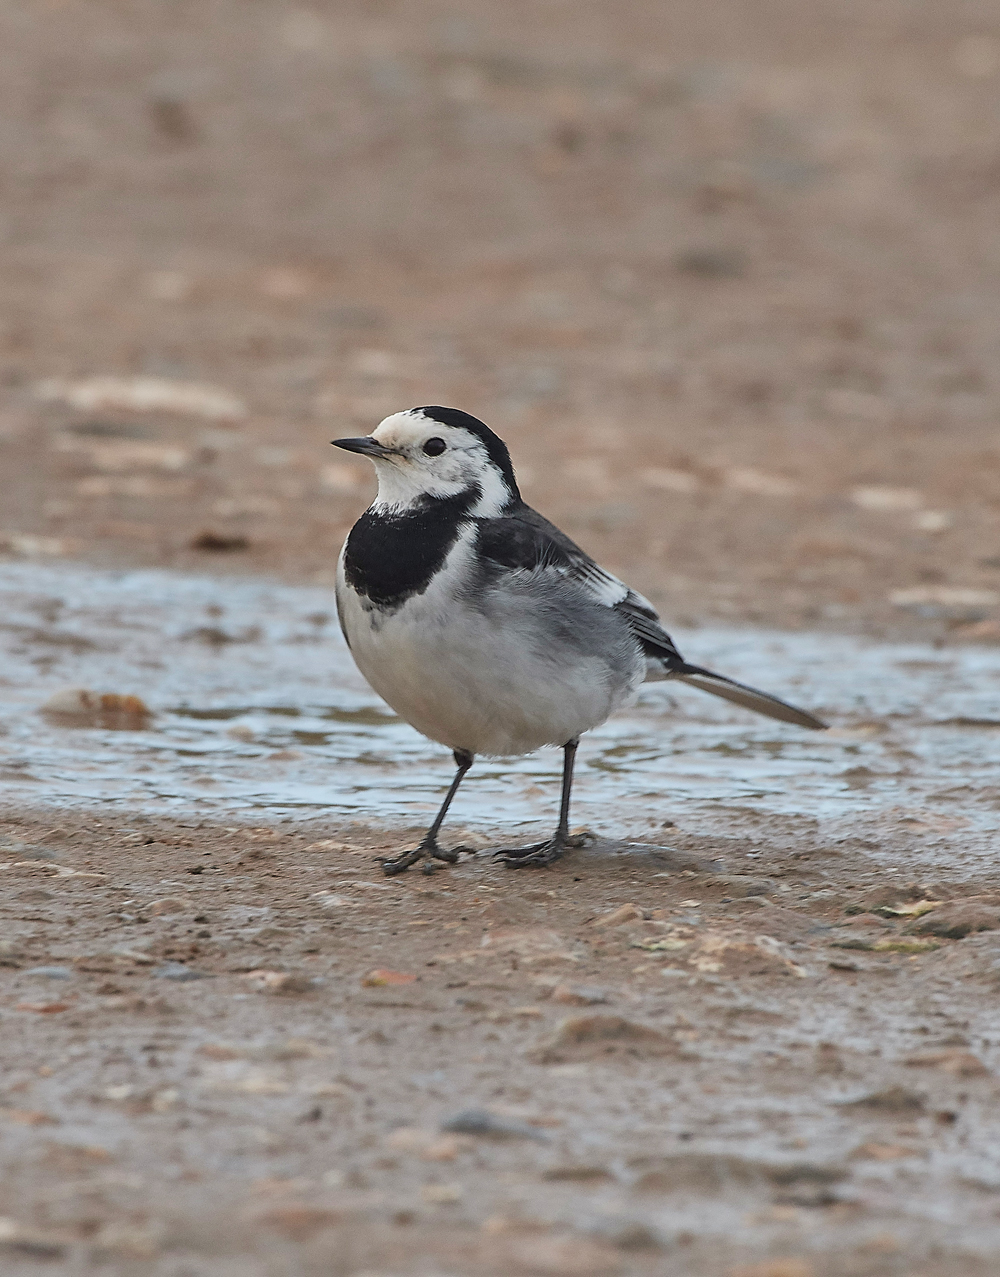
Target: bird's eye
(434,447)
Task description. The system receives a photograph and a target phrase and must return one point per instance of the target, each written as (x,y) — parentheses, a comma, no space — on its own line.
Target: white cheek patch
(402,481)
(399,485)
(496,494)
(402,484)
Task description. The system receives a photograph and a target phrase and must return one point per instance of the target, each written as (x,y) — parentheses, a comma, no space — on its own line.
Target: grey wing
(524,540)
(661,650)
(528,539)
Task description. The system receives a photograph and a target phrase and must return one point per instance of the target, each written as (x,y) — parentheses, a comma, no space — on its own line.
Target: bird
(483,625)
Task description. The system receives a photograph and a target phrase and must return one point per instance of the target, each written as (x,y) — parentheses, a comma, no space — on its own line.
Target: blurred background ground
(724,274)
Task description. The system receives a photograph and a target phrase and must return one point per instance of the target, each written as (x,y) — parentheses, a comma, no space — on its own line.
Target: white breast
(491,678)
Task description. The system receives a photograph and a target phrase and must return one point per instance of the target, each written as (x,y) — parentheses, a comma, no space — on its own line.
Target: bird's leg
(428,844)
(544,853)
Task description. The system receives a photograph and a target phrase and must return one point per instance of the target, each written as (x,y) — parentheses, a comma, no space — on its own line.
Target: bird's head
(434,453)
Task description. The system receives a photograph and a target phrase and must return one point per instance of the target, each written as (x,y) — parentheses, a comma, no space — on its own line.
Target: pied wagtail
(482,624)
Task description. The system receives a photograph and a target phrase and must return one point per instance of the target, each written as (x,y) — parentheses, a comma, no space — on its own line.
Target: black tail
(748,697)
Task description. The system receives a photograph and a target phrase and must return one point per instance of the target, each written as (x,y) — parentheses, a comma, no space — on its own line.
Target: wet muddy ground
(256,707)
(235,1048)
(724,276)
(748,1028)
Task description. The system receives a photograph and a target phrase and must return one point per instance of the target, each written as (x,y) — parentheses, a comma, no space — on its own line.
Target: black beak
(366,446)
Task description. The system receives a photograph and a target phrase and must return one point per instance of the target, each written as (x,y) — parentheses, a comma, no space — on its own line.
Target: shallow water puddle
(258,706)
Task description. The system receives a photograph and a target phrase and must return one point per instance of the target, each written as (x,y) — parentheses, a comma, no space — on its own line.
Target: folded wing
(523,540)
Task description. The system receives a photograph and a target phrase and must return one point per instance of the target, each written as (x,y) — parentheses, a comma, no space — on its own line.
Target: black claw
(400,864)
(520,853)
(536,856)
(441,853)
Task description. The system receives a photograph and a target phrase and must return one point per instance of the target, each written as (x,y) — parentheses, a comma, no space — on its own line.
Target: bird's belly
(464,680)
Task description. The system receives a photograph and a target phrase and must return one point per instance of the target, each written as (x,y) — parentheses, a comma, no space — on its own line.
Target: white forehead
(404,428)
(412,475)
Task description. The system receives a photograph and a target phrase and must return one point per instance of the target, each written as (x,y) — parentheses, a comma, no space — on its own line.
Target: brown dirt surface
(718,273)
(209,1067)
(724,276)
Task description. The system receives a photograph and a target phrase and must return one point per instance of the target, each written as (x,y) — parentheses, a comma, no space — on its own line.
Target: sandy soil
(724,275)
(244,1050)
(709,270)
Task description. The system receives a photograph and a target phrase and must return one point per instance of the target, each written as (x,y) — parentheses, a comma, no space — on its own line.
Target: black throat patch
(391,557)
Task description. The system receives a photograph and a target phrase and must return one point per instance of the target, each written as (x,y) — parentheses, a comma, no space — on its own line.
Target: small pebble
(445,1149)
(933,521)
(759,483)
(874,1151)
(26,850)
(298,1223)
(30,1242)
(213,542)
(11,953)
(80,707)
(483,1122)
(410,1139)
(584,1036)
(51,973)
(775,1268)
(169,905)
(667,480)
(883,498)
(894,1099)
(630,1234)
(739,886)
(283,983)
(580,1172)
(624,913)
(955,921)
(178,971)
(104,392)
(287,985)
(957,1062)
(220,1051)
(381,978)
(563,1256)
(578,995)
(441,1194)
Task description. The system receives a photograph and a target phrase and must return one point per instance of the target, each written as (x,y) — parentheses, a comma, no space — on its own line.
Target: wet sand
(240,1048)
(748,1022)
(256,708)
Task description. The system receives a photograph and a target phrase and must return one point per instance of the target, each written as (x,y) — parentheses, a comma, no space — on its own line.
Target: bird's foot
(450,854)
(428,848)
(537,856)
